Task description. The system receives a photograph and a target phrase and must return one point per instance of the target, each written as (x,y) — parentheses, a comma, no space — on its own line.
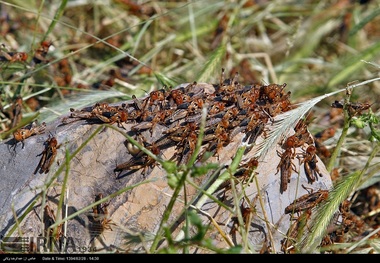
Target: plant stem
(168,211)
(346,125)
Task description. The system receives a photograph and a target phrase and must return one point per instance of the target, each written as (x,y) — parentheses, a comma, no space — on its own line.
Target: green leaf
(173,181)
(199,170)
(170,167)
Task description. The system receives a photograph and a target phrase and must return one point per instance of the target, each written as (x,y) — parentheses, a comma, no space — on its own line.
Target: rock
(84,167)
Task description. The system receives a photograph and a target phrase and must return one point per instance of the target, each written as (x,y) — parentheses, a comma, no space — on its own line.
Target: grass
(115,49)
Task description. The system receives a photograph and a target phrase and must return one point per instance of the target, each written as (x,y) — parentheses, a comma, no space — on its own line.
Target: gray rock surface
(138,201)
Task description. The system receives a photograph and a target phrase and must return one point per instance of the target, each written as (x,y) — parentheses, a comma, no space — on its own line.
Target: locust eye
(132,149)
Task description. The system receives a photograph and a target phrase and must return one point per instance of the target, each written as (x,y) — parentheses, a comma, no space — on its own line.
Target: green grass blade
(57,16)
(81,100)
(364,22)
(165,80)
(341,192)
(327,210)
(310,44)
(354,64)
(213,64)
